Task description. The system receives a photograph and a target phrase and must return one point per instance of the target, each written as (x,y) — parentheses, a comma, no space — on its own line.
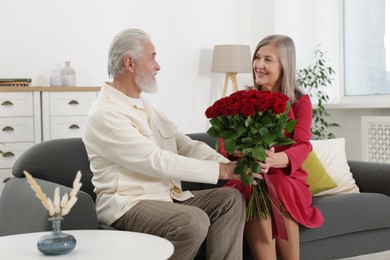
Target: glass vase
(68,75)
(57,242)
(56,78)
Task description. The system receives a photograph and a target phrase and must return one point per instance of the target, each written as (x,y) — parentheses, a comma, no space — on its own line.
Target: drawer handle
(8,129)
(74,126)
(73,102)
(8,154)
(7,103)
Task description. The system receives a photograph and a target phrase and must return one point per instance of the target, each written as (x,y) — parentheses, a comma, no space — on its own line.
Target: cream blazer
(138,154)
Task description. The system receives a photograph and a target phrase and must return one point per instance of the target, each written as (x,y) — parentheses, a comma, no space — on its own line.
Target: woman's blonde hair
(286,54)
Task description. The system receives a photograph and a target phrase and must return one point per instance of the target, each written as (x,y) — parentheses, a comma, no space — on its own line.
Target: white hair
(127,42)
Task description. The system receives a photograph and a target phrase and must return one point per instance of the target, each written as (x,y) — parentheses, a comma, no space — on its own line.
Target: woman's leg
(289,249)
(258,234)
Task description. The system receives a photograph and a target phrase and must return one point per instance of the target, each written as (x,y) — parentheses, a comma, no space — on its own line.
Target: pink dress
(290,182)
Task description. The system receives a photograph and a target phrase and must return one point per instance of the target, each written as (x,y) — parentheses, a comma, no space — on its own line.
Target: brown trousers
(218,214)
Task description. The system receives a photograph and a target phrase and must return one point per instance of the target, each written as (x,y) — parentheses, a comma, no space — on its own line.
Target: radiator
(376,138)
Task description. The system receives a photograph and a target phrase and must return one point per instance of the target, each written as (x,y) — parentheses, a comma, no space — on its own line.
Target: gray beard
(146,85)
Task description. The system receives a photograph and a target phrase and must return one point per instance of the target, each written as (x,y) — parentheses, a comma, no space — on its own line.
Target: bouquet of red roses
(251,122)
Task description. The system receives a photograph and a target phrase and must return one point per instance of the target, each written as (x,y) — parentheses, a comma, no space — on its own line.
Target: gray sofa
(355,224)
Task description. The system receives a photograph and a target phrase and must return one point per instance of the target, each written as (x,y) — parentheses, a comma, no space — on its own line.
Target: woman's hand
(276,160)
(269,159)
(265,165)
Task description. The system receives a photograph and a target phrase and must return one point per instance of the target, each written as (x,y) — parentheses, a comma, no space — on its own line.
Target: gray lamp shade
(231,59)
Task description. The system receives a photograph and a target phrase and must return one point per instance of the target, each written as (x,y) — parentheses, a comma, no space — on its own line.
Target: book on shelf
(15,82)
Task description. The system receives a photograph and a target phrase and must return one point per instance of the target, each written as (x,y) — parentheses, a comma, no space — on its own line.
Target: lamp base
(231,75)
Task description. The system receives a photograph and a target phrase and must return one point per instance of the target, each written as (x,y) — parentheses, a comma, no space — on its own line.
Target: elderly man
(138,158)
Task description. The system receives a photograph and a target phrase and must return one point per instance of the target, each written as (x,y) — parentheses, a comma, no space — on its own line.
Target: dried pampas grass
(58,207)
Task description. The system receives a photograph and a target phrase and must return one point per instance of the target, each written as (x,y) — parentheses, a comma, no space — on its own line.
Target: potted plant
(314,79)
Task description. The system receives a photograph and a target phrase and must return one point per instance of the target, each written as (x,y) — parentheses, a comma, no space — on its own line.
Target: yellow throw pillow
(317,177)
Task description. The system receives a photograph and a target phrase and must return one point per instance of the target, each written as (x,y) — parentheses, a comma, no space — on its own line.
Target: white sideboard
(30,115)
(64,113)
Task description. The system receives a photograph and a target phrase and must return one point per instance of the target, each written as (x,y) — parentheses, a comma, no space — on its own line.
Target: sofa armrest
(371,177)
(204,137)
(22,212)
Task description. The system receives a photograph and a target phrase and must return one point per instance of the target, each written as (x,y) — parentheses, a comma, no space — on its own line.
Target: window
(366,47)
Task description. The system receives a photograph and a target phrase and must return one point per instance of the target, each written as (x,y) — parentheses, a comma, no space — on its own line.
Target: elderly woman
(274,70)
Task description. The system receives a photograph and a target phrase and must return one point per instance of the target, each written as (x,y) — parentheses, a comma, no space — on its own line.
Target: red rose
(234,108)
(261,106)
(281,96)
(247,110)
(253,102)
(279,107)
(212,112)
(224,109)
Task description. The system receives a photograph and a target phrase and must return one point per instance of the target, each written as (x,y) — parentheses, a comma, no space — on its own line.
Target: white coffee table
(91,244)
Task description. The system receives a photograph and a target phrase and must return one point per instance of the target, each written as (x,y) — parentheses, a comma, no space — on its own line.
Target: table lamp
(231,59)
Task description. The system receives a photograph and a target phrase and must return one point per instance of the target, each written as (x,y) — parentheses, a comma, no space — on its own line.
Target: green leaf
(256,167)
(227,134)
(290,125)
(259,153)
(241,130)
(239,167)
(263,131)
(245,178)
(218,144)
(217,124)
(247,150)
(242,169)
(269,139)
(287,108)
(254,129)
(230,145)
(285,141)
(246,140)
(212,132)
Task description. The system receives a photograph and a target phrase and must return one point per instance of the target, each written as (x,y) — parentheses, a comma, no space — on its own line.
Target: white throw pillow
(331,153)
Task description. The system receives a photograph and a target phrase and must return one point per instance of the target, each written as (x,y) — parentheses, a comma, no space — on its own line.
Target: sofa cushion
(349,213)
(331,153)
(317,176)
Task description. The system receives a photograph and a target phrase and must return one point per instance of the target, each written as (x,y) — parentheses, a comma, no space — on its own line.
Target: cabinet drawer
(16,129)
(67,126)
(70,103)
(4,175)
(14,150)
(16,104)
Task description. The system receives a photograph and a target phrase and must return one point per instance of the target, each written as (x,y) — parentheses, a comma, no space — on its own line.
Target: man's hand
(226,171)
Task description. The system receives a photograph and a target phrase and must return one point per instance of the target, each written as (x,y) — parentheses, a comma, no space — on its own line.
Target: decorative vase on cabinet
(68,75)
(56,78)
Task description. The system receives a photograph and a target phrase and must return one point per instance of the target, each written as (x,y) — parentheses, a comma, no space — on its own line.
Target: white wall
(350,121)
(312,25)
(37,35)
